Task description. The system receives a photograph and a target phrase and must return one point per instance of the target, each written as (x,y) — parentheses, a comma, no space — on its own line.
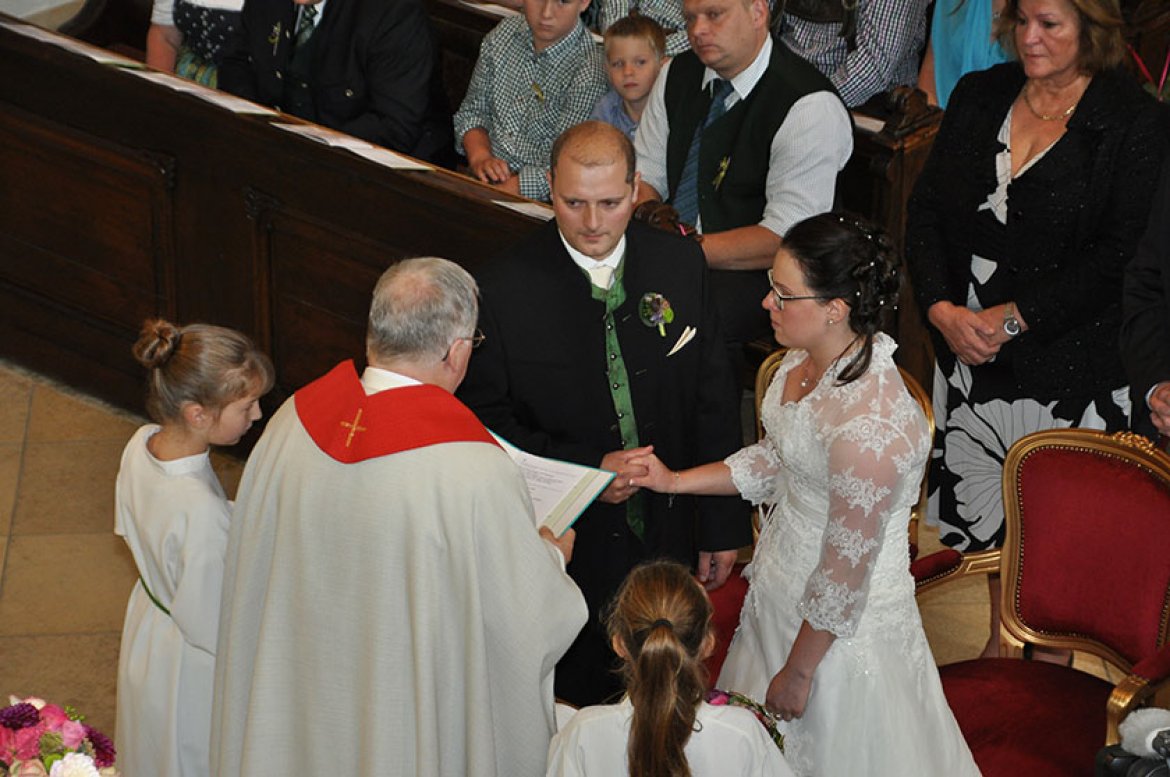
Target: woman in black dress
(1021,224)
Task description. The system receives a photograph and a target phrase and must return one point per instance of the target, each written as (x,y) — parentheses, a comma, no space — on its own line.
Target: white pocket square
(687,335)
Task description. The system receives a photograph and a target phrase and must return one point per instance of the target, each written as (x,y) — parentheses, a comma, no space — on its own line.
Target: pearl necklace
(1049,116)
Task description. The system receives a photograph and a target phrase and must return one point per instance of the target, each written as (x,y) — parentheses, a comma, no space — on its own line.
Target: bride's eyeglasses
(782,298)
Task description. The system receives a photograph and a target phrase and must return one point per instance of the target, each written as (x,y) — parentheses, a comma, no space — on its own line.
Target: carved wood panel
(85,222)
(86,239)
(315,280)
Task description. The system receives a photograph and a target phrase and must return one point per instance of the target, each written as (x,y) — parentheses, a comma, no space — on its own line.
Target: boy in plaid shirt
(536,76)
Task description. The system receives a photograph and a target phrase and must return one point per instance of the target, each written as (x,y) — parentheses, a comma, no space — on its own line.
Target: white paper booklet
(560,490)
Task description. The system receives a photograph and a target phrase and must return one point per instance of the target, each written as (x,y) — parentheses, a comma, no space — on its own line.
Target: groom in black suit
(601,340)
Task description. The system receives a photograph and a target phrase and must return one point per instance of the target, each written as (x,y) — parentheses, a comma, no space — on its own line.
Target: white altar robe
(174,518)
(397,615)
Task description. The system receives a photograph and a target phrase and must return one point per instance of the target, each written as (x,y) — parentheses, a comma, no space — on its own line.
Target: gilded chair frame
(1133,690)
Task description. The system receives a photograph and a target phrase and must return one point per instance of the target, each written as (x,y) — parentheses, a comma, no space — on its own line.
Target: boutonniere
(654,310)
(274,37)
(724,163)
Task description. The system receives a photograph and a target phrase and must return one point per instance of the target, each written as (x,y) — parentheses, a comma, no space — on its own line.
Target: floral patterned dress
(841,469)
(979,411)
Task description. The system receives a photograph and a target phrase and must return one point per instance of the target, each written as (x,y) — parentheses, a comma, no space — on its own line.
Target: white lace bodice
(841,468)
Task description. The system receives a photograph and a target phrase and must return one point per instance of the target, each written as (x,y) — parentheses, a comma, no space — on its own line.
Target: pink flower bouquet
(718,698)
(38,739)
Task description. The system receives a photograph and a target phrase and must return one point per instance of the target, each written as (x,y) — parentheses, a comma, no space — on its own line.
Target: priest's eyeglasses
(476,340)
(781,298)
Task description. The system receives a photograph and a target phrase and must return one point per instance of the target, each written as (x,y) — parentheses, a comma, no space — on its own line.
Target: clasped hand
(628,470)
(974,337)
(655,475)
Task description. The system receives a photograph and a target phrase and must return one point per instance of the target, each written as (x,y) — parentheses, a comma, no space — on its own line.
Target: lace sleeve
(865,456)
(754,470)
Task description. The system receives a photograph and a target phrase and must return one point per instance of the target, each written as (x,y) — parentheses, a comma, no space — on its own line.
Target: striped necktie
(306,24)
(686,194)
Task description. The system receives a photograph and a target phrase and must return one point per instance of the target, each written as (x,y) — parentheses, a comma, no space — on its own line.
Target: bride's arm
(789,689)
(864,463)
(863,477)
(750,472)
(712,479)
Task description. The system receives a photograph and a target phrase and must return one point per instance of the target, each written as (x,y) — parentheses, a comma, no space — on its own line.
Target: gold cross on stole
(353,427)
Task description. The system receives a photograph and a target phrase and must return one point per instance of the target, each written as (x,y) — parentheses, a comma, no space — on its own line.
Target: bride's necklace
(1049,116)
(806,378)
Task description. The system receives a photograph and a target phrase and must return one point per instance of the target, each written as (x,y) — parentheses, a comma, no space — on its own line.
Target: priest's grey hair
(420,307)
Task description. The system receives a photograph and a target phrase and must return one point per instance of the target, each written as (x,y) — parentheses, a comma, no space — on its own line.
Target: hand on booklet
(564,543)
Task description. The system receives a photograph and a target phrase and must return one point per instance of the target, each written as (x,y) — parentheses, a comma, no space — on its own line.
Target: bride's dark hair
(844,256)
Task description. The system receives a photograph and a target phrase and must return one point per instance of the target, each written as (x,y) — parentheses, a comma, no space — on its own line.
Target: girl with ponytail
(660,625)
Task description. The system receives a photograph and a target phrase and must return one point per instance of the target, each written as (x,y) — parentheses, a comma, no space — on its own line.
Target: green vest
(619,386)
(735,149)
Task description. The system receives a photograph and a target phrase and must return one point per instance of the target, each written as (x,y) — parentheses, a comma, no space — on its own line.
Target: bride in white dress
(830,635)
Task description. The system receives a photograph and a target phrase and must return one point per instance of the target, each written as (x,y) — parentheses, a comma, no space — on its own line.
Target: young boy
(535,78)
(635,47)
(668,13)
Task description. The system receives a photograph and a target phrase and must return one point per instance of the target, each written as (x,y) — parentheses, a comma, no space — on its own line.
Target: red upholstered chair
(727,601)
(1085,566)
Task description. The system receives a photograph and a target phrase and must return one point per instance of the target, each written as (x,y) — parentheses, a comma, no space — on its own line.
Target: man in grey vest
(744,139)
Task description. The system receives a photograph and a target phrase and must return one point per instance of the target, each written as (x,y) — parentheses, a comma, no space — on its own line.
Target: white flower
(75,765)
(978,439)
(33,700)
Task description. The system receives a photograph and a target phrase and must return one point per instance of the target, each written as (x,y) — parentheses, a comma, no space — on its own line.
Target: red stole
(349,425)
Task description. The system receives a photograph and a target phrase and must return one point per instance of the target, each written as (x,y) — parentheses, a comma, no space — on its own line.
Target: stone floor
(65,576)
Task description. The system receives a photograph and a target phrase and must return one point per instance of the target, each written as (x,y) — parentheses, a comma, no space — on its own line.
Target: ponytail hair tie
(661,622)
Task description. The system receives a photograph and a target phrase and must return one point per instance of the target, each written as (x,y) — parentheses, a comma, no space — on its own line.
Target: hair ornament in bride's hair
(857,225)
(846,257)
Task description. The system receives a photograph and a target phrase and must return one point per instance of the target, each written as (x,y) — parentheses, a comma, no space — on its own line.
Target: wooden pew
(122,199)
(118,25)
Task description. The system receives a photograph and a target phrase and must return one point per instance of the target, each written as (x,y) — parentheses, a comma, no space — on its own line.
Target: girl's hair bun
(157,343)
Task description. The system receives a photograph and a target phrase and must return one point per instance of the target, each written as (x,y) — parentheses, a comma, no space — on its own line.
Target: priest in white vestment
(388,605)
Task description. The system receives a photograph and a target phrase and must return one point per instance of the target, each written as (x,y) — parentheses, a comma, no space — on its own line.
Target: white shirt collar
(585,262)
(376,379)
(746,81)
